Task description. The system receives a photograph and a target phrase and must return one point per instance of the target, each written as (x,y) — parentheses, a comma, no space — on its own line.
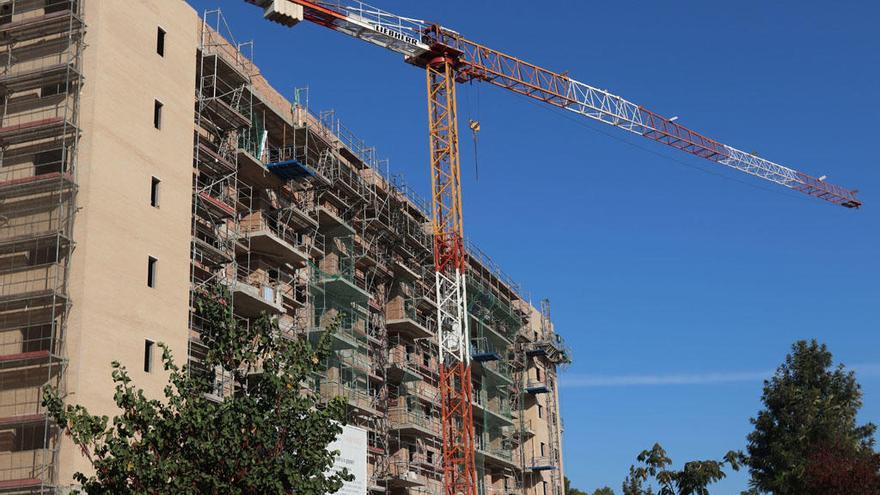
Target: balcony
(254,293)
(356,397)
(411,422)
(404,270)
(494,447)
(401,316)
(338,277)
(497,372)
(272,237)
(494,407)
(423,391)
(403,475)
(332,221)
(351,332)
(402,366)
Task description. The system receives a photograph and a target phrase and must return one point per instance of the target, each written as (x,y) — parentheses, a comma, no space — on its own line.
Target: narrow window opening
(542,449)
(151,271)
(148,356)
(540,411)
(157,114)
(154,192)
(160,42)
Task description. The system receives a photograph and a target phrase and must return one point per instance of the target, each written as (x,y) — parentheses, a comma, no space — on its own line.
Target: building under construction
(124,188)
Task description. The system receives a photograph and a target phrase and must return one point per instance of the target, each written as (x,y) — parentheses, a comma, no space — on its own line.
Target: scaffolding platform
(537,387)
(37,27)
(22,420)
(35,241)
(31,299)
(224,116)
(292,169)
(213,160)
(23,358)
(38,129)
(37,78)
(483,357)
(27,484)
(36,184)
(216,205)
(541,464)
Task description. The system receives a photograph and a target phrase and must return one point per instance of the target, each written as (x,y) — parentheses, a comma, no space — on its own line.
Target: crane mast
(448,58)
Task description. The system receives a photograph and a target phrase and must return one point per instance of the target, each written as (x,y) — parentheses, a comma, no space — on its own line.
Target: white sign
(352,447)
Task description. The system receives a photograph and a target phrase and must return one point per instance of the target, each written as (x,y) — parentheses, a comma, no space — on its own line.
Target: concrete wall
(116,228)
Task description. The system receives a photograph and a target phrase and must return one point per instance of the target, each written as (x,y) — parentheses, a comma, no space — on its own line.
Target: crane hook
(475,128)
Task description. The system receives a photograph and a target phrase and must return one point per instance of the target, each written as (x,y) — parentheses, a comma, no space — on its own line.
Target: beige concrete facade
(117,228)
(284,206)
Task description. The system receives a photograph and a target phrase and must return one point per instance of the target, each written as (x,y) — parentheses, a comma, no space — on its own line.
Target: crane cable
(474,125)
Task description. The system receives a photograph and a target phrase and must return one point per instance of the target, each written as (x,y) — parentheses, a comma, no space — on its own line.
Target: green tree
(570,490)
(270,438)
(693,479)
(808,404)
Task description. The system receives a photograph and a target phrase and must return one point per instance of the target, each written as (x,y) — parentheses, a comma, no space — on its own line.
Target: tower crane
(449,58)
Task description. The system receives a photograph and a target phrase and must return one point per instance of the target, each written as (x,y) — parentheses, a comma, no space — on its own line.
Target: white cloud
(597,381)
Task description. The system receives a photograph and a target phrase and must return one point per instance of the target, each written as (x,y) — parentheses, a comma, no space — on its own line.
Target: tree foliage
(836,469)
(269,438)
(570,490)
(808,406)
(693,479)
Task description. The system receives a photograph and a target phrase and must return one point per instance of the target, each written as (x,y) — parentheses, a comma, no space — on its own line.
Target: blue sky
(678,284)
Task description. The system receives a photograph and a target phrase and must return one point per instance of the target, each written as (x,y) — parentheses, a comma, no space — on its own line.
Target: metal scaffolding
(41,46)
